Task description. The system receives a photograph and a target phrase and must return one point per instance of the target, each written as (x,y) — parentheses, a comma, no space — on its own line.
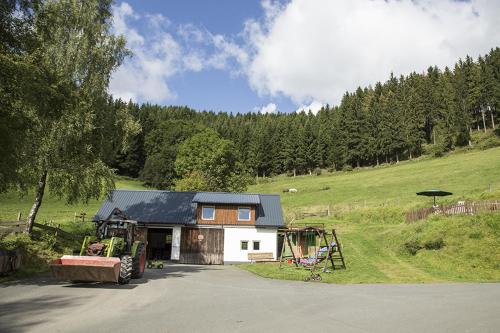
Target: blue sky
(269,56)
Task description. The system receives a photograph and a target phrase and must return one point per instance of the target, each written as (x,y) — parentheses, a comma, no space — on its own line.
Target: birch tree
(75,55)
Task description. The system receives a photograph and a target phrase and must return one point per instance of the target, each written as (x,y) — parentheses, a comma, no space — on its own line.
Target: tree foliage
(207,162)
(59,88)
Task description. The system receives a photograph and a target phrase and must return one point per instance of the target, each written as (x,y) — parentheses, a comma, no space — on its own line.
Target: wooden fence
(19,226)
(467,208)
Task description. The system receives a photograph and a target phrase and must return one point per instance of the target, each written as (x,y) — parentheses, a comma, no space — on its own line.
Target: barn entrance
(159,243)
(202,246)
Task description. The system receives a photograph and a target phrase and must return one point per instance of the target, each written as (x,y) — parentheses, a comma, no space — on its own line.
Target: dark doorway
(159,244)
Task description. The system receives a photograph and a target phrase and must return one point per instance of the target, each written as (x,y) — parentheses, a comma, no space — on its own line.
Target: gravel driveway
(186,298)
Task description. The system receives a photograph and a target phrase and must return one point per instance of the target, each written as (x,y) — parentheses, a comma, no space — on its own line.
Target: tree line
(59,126)
(388,122)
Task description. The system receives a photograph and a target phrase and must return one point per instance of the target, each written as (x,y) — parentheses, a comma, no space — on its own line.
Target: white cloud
(269,108)
(316,50)
(161,51)
(314,107)
(155,59)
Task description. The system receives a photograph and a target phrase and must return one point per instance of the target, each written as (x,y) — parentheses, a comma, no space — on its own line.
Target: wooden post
(282,250)
(291,249)
(19,217)
(74,218)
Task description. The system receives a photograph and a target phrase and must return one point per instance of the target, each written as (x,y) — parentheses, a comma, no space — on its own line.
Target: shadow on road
(168,272)
(17,316)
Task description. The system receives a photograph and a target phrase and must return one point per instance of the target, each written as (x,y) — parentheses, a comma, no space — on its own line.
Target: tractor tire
(125,269)
(139,262)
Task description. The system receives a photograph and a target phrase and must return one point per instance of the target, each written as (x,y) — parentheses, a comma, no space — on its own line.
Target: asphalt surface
(184,298)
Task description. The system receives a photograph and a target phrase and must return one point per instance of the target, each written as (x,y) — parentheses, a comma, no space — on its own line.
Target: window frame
(241,245)
(249,213)
(202,215)
(253,245)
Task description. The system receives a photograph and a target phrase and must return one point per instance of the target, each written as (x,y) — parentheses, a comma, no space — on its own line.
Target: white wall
(234,235)
(176,243)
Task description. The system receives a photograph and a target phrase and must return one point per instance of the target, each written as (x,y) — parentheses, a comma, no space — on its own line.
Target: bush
(317,172)
(489,142)
(413,246)
(325,188)
(347,167)
(496,131)
(435,244)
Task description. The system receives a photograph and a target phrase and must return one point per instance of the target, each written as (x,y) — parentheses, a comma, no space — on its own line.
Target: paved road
(186,298)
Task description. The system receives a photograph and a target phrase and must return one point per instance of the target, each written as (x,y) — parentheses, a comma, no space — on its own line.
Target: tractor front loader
(110,256)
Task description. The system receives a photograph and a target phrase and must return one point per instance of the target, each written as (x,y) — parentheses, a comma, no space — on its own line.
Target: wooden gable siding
(226,215)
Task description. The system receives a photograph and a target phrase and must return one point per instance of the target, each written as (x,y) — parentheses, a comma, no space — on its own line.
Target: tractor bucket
(86,268)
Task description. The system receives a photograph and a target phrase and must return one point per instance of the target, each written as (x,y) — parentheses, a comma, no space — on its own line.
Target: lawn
(469,175)
(54,209)
(367,208)
(449,249)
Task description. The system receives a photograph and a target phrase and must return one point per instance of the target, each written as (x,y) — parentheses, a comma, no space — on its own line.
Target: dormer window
(243,213)
(208,213)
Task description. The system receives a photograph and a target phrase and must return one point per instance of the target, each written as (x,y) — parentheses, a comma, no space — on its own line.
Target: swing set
(310,248)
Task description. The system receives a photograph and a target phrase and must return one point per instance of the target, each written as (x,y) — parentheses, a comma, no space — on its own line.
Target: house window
(243,214)
(244,245)
(208,213)
(256,245)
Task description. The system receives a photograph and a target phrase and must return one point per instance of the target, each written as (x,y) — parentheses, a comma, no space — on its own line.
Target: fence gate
(202,246)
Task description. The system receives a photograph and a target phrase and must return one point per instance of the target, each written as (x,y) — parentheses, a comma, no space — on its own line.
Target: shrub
(434,244)
(496,131)
(412,246)
(317,172)
(347,167)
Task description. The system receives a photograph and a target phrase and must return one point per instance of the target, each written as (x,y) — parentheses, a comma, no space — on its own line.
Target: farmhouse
(200,227)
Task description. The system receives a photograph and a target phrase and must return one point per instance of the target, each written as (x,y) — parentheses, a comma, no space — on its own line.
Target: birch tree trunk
(484,121)
(492,118)
(38,201)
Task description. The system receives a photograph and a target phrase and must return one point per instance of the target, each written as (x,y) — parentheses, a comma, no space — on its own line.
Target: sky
(285,56)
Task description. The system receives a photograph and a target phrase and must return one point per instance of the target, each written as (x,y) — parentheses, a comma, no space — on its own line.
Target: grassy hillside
(440,249)
(54,209)
(467,174)
(367,210)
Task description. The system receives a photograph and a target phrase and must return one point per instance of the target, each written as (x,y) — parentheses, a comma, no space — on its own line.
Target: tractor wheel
(139,262)
(125,270)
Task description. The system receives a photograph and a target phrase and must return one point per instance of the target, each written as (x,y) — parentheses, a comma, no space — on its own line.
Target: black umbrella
(434,193)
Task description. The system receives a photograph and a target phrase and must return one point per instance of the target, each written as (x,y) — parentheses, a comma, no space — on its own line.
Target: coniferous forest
(434,111)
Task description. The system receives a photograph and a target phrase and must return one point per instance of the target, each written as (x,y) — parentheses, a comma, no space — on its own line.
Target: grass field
(53,208)
(449,249)
(469,175)
(367,210)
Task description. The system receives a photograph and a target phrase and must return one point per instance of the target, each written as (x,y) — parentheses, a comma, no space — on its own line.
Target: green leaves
(208,162)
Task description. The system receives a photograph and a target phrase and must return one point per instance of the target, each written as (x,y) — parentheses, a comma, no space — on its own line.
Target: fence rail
(19,226)
(467,208)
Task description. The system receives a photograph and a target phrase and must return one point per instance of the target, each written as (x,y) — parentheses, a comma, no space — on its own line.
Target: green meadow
(367,208)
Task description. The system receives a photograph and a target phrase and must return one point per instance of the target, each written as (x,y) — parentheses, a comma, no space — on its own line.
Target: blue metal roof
(151,206)
(269,213)
(166,207)
(227,198)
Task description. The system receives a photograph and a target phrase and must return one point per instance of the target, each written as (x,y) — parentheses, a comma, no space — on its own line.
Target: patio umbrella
(434,193)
